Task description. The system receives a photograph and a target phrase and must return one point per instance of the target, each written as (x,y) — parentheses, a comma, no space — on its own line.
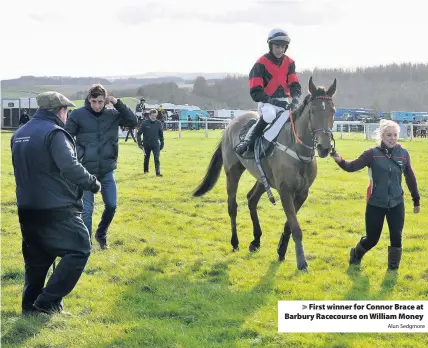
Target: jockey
(273,80)
(139,109)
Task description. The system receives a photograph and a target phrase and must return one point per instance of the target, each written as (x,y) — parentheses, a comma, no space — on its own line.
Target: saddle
(263,147)
(264,144)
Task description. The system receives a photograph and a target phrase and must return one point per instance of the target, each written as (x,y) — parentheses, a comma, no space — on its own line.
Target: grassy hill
(32,91)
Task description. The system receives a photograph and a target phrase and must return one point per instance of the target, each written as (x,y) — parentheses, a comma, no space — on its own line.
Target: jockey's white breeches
(269,111)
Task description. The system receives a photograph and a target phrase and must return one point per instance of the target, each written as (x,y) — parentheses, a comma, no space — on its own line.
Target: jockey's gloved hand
(294,104)
(280,103)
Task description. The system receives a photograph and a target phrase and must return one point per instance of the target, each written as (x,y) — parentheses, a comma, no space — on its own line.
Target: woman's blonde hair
(383,126)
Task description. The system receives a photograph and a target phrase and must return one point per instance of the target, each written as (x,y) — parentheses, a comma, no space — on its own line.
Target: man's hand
(96,187)
(111,99)
(161,146)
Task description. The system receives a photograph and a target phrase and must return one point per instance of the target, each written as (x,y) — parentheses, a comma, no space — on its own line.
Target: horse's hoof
(235,249)
(253,248)
(304,270)
(281,258)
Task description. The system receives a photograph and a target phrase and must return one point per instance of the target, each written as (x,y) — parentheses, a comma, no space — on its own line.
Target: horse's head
(322,116)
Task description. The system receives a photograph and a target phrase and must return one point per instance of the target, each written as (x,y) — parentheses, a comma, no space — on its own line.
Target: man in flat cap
(49,187)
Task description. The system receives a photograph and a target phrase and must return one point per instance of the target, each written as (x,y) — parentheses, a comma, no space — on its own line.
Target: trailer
(11,109)
(407,116)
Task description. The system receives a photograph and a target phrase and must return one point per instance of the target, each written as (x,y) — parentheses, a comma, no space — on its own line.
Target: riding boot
(394,257)
(357,254)
(251,136)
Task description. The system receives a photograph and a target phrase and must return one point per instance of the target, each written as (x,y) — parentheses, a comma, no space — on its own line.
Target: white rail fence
(342,129)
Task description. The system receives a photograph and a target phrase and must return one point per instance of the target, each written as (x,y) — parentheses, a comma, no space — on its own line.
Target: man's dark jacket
(152,134)
(97,135)
(49,179)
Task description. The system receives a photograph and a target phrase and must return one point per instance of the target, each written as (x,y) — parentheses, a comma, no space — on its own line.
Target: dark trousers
(41,244)
(156,152)
(130,132)
(375,218)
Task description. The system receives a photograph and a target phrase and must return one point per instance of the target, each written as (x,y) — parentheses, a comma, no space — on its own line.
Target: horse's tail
(212,174)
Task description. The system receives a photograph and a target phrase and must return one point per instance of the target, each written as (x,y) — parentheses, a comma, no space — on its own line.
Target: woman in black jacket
(386,162)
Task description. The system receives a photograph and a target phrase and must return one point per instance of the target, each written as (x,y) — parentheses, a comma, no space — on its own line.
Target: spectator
(153,141)
(189,123)
(415,127)
(24,118)
(49,188)
(96,130)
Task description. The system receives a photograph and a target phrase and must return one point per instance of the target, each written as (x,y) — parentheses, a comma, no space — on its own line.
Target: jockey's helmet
(279,37)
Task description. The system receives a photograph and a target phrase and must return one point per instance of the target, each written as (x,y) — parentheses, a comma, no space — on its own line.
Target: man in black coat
(153,140)
(49,189)
(96,129)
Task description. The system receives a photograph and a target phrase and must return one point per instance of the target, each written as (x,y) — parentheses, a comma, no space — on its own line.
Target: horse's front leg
(285,237)
(283,242)
(287,200)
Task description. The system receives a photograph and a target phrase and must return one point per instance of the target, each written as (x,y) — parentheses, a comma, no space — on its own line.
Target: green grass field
(171,280)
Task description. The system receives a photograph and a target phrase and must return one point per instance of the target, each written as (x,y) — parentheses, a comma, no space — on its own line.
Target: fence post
(179,129)
(206,128)
(411,132)
(341,131)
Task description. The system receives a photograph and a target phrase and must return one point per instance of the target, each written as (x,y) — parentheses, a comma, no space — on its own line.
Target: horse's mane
(320,91)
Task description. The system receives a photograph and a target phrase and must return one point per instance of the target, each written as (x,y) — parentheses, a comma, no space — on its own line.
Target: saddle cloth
(265,144)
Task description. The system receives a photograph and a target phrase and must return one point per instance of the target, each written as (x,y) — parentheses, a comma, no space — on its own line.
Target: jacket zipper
(98,143)
(389,186)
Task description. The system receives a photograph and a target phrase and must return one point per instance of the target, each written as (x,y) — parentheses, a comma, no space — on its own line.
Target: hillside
(390,87)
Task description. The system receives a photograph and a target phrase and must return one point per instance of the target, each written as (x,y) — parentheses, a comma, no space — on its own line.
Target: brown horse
(291,169)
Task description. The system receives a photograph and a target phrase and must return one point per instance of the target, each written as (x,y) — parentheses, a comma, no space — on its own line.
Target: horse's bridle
(326,131)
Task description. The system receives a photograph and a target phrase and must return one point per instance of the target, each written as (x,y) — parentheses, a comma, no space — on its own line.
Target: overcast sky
(127,37)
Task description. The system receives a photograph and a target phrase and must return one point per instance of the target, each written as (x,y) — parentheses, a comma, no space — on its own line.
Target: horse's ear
(312,87)
(332,89)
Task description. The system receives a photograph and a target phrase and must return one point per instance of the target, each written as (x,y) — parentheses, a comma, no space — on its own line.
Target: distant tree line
(392,87)
(400,87)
